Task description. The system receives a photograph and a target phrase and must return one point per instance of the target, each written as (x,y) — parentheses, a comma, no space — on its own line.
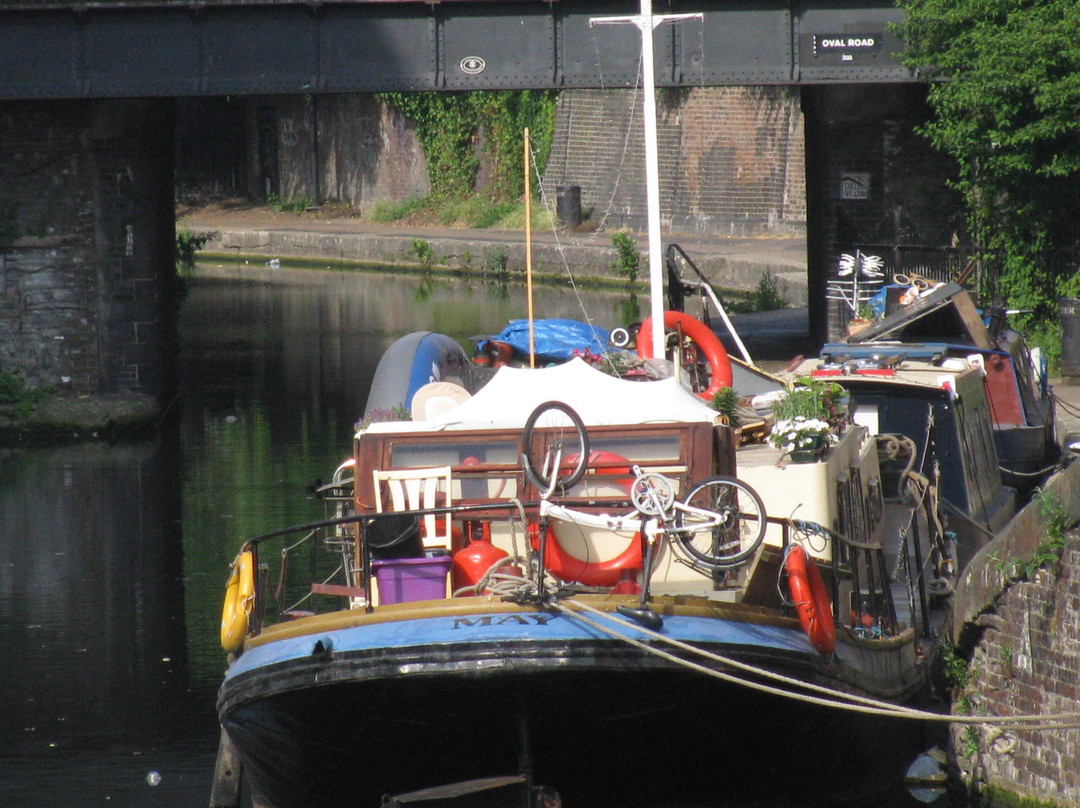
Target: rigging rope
(837,699)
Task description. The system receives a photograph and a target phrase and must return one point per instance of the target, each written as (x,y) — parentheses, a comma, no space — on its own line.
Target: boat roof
(905,372)
(513,393)
(945,314)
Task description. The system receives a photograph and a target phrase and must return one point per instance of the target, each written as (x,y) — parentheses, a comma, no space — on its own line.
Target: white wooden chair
(415,490)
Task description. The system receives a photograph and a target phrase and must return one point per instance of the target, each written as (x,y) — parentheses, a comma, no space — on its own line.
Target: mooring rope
(836,699)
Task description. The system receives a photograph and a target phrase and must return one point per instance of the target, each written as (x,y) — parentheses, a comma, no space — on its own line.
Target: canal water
(113,559)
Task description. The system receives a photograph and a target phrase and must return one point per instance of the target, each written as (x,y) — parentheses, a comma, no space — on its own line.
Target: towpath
(242,228)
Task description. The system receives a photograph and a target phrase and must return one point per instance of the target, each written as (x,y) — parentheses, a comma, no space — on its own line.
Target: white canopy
(513,393)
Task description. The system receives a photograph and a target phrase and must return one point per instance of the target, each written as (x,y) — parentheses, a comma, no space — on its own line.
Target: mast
(646,22)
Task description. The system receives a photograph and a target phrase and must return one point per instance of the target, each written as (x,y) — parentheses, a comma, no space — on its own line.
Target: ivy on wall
(453,127)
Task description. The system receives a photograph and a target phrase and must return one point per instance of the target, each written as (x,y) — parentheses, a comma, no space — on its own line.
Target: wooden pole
(528,252)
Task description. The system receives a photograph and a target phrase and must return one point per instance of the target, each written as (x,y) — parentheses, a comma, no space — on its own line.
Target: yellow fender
(239,600)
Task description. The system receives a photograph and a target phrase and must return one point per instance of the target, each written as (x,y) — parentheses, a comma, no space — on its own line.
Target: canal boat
(466,612)
(941,326)
(592,581)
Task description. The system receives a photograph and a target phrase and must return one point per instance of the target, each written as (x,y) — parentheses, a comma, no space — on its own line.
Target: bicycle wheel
(559,451)
(716,545)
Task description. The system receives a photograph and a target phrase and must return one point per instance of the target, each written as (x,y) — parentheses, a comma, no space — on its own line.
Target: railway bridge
(89,93)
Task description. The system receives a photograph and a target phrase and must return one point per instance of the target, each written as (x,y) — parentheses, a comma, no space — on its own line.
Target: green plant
(394,211)
(495,262)
(494,213)
(1053,544)
(810,410)
(453,127)
(768,295)
(957,668)
(296,206)
(187,244)
(1049,550)
(971,741)
(423,252)
(808,397)
(1005,658)
(627,257)
(726,402)
(1046,335)
(14,390)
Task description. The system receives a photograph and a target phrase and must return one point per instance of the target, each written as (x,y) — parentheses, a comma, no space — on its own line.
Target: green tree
(1005,87)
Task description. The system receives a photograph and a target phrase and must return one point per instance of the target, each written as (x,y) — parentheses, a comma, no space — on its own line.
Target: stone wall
(731,158)
(1026,662)
(345,148)
(49,283)
(85,290)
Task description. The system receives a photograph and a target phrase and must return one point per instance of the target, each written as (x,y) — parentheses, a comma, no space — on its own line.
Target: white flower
(799,432)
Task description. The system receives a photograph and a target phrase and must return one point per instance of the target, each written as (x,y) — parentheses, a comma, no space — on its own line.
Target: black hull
(634,738)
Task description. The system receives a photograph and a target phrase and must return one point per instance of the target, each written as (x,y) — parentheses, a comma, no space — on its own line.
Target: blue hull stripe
(511,627)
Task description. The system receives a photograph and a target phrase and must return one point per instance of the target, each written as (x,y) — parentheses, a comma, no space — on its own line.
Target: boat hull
(338,715)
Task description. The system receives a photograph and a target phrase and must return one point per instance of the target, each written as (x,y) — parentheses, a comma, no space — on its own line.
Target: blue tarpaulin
(555,339)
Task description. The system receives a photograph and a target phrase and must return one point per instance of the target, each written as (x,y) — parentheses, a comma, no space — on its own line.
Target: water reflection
(95,685)
(113,558)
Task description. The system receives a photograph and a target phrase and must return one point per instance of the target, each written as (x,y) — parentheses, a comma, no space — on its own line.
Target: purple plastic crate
(403,580)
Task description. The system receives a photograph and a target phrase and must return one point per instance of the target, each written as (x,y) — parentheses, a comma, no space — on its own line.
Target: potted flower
(381,414)
(864,316)
(809,418)
(803,438)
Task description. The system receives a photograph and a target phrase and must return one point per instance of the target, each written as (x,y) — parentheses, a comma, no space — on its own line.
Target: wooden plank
(338,589)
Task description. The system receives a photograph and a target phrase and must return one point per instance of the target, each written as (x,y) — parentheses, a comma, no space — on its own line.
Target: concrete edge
(984,580)
(741,272)
(62,419)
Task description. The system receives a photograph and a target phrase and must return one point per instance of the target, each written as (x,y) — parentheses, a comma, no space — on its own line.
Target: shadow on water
(114,558)
(97,683)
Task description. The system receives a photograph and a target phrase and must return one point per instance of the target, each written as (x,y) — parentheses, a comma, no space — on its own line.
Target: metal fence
(934,263)
(947,263)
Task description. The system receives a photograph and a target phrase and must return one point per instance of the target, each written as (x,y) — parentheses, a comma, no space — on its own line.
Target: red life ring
(570,568)
(567,567)
(707,343)
(811,600)
(608,465)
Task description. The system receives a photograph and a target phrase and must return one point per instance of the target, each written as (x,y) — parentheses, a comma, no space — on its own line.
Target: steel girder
(161,48)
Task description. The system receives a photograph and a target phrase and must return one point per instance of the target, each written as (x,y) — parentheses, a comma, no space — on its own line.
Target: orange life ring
(607,464)
(811,600)
(570,568)
(708,343)
(239,600)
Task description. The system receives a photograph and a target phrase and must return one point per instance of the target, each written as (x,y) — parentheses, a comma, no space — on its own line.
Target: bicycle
(719,524)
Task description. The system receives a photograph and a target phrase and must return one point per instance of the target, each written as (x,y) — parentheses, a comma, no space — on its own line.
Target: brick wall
(1026,662)
(882,183)
(84,292)
(731,158)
